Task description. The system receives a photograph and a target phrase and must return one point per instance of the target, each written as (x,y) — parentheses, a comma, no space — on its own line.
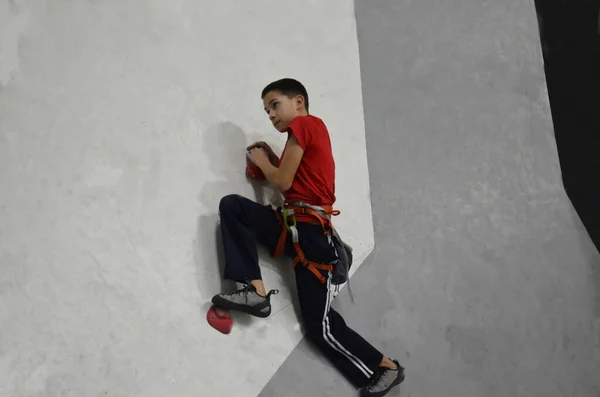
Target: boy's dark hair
(288,87)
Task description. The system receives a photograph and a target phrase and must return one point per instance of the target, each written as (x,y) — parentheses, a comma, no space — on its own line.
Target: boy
(305,173)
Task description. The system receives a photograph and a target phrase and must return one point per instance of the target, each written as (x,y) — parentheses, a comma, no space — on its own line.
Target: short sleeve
(300,127)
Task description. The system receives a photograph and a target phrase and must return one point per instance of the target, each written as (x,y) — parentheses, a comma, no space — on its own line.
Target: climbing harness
(303,212)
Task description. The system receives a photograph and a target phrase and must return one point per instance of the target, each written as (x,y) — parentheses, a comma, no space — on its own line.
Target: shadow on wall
(225,148)
(588,248)
(16,17)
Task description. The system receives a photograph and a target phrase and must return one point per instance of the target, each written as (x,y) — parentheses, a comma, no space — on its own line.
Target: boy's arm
(283,176)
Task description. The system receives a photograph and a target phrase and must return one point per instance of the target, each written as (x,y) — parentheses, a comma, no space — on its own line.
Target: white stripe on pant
(333,342)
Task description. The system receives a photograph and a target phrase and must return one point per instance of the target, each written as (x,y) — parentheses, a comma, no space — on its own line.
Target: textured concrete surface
(483,281)
(122,124)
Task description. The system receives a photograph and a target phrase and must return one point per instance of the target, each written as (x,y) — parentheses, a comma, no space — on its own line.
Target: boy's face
(282,110)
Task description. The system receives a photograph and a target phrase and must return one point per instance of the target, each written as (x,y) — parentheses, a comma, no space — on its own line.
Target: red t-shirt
(314,182)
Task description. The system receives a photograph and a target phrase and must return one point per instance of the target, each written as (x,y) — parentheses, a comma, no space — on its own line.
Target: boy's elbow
(284,186)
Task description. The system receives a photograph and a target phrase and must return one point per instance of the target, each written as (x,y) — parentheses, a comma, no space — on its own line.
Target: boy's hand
(261,145)
(273,158)
(258,156)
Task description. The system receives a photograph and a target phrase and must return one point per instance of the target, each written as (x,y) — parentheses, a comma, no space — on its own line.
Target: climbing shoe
(246,300)
(383,381)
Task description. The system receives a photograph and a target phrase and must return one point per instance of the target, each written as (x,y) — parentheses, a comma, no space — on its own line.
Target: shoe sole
(399,379)
(252,310)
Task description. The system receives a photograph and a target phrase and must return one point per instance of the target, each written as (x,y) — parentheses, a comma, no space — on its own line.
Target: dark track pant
(245,223)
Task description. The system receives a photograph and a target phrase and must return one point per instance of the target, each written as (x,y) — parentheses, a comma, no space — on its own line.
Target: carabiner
(286,213)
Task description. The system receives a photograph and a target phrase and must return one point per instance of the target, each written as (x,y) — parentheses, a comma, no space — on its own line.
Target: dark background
(570,35)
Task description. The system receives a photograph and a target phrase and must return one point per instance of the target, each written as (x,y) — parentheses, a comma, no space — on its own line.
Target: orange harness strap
(305,215)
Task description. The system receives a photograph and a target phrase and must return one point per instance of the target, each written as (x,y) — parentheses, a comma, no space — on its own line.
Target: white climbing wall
(122,124)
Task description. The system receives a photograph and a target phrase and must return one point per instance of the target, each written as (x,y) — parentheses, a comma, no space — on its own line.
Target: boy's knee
(314,332)
(318,338)
(229,203)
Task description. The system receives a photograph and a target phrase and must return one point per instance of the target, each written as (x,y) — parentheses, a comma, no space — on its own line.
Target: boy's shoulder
(308,121)
(309,130)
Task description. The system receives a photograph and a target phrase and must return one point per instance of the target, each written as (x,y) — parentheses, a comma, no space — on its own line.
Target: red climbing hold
(219,319)
(253,171)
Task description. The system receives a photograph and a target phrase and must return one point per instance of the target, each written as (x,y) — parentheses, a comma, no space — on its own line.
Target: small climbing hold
(253,171)
(219,319)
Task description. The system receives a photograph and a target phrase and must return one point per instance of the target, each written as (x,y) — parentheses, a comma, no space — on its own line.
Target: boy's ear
(299,101)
